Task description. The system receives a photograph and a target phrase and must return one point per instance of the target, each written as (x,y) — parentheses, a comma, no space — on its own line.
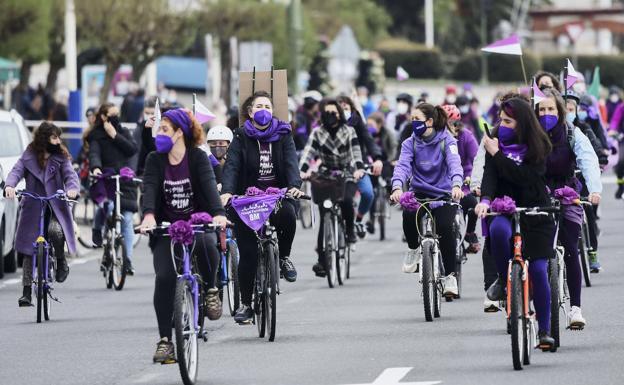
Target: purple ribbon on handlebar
(567,195)
(504,205)
(201,218)
(181,232)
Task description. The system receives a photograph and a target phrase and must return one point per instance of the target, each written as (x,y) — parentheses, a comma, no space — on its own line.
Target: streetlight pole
(429,23)
(484,75)
(70,45)
(294,36)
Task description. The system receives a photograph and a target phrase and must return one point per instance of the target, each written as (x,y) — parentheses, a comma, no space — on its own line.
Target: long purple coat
(58,175)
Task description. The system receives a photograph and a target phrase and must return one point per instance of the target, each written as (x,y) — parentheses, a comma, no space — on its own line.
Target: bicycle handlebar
(60,195)
(163,229)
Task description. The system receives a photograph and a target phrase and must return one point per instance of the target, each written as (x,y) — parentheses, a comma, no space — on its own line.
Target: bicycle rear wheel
(384,209)
(341,255)
(459,261)
(553,277)
(118,268)
(260,292)
(40,279)
(328,250)
(584,255)
(185,332)
(233,289)
(47,299)
(428,284)
(348,260)
(270,295)
(517,319)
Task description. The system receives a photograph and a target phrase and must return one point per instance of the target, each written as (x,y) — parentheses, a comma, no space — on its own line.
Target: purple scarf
(514,151)
(273,133)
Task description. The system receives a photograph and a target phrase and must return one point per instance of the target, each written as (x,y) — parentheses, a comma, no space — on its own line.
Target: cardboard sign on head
(250,82)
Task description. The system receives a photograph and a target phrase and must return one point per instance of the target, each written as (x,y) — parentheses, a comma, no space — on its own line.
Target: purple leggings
(500,249)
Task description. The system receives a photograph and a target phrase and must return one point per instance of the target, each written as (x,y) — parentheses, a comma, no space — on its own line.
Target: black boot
(62,269)
(546,342)
(496,292)
(26,298)
(96,238)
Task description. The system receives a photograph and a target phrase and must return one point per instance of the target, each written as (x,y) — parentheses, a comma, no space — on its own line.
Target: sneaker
(546,342)
(620,191)
(288,269)
(351,238)
(96,238)
(128,267)
(359,229)
(411,261)
(62,270)
(214,307)
(244,315)
(450,285)
(370,227)
(26,299)
(496,292)
(594,265)
(164,352)
(319,270)
(490,306)
(473,243)
(577,322)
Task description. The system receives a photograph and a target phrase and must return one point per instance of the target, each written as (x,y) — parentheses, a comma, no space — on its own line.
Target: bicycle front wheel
(428,283)
(185,331)
(384,209)
(553,277)
(118,269)
(270,294)
(584,255)
(233,290)
(40,279)
(341,257)
(517,319)
(328,250)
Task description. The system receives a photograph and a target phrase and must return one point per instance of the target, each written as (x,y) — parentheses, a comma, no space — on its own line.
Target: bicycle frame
(228,240)
(517,258)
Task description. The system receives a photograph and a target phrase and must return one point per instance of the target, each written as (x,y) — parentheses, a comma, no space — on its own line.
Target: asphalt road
(347,335)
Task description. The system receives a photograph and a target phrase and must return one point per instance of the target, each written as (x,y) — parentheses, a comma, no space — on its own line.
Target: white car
(15,137)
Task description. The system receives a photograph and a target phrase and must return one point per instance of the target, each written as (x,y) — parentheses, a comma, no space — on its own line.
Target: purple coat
(433,171)
(58,175)
(467,146)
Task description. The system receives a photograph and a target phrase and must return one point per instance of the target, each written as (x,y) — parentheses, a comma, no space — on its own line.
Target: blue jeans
(365,186)
(105,210)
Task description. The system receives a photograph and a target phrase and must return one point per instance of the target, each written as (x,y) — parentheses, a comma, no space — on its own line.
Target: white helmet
(220,133)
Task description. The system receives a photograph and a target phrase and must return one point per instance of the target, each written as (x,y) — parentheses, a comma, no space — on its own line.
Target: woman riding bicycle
(571,150)
(177,182)
(46,166)
(430,159)
(336,145)
(262,154)
(515,164)
(110,148)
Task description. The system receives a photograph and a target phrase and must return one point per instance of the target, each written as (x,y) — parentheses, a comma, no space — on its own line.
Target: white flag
(157,118)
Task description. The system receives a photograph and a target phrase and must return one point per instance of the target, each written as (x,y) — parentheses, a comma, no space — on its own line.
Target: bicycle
(459,229)
(255,209)
(307,214)
(585,247)
(431,269)
(115,255)
(228,269)
(328,191)
(44,260)
(521,318)
(188,309)
(381,208)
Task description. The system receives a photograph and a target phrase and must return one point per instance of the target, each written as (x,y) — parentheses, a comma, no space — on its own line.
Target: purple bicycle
(44,261)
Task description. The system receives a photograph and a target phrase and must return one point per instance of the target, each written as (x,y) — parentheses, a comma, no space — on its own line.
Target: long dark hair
(528,130)
(436,113)
(244,112)
(553,77)
(41,139)
(561,108)
(347,100)
(331,101)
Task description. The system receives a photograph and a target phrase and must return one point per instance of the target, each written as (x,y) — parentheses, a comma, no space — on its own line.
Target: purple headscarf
(180,118)
(273,132)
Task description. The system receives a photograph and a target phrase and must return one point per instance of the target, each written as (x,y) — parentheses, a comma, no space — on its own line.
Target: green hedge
(419,61)
(611,67)
(501,68)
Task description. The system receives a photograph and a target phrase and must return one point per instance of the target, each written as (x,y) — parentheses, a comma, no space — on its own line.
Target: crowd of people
(431,150)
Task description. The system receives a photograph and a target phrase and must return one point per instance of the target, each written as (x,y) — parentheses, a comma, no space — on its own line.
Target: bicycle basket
(327,187)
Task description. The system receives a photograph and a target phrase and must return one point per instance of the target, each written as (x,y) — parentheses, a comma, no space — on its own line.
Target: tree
(24,26)
(56,38)
(132,31)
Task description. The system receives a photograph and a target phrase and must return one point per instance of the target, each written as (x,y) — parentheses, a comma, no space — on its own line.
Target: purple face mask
(506,135)
(262,117)
(372,130)
(163,143)
(548,122)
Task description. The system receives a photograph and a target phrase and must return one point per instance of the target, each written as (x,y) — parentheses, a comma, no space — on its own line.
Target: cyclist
(571,149)
(431,160)
(370,152)
(337,146)
(177,182)
(307,118)
(262,154)
(110,148)
(219,139)
(144,134)
(546,79)
(46,167)
(514,166)
(467,147)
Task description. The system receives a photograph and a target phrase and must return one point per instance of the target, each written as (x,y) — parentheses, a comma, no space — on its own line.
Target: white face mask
(347,115)
(464,109)
(614,98)
(402,108)
(450,99)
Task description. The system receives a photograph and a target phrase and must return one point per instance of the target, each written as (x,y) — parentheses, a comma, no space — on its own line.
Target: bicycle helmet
(220,133)
(452,111)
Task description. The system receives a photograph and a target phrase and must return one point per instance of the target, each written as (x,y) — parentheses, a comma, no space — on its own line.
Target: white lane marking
(9,282)
(146,378)
(392,376)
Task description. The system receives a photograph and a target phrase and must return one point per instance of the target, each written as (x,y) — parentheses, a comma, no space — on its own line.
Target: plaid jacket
(341,152)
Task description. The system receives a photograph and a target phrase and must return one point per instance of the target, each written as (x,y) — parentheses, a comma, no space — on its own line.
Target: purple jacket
(58,175)
(467,146)
(433,171)
(616,119)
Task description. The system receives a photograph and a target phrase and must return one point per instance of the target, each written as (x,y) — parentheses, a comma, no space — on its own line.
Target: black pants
(205,248)
(285,222)
(468,202)
(444,217)
(346,207)
(592,224)
(619,167)
(489,266)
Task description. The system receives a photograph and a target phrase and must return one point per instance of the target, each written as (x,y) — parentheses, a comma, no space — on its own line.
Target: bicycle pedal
(169,362)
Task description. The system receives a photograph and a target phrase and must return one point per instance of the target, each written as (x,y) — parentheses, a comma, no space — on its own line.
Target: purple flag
(256,210)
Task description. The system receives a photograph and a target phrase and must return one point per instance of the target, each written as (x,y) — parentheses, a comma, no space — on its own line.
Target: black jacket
(147,146)
(108,153)
(603,159)
(242,165)
(526,185)
(367,143)
(202,182)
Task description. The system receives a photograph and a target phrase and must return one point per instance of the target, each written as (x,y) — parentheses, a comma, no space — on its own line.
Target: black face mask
(218,151)
(329,119)
(53,148)
(114,120)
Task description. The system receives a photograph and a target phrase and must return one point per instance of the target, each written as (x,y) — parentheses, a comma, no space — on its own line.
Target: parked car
(15,137)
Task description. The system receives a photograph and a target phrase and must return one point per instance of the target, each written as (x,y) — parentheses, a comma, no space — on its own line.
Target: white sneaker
(577,321)
(490,306)
(411,261)
(450,285)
